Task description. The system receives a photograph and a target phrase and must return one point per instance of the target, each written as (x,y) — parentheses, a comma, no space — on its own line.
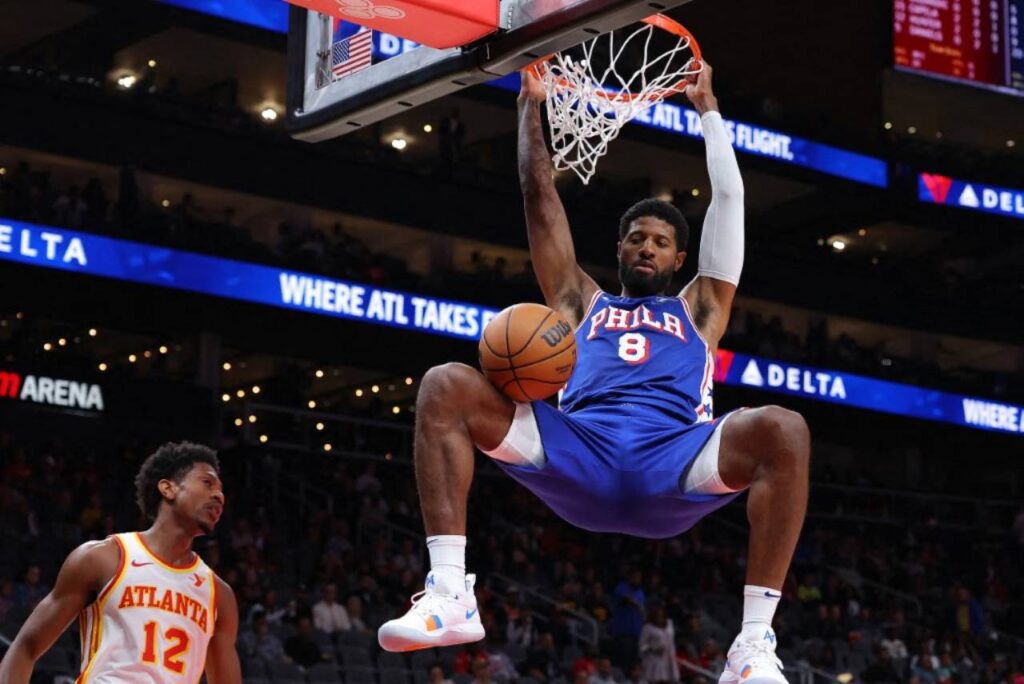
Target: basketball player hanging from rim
(150,609)
(633,448)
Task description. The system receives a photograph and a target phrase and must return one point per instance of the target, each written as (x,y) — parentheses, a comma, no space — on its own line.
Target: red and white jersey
(151,623)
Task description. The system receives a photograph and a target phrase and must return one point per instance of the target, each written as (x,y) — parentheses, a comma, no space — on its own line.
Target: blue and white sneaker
(435,619)
(753,661)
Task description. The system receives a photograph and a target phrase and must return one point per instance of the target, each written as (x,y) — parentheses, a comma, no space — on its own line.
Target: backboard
(329,95)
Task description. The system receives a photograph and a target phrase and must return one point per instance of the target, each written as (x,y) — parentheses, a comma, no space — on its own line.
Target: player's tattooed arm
(222,665)
(565,285)
(85,572)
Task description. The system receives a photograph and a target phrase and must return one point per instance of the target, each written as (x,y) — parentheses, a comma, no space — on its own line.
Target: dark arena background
(174,265)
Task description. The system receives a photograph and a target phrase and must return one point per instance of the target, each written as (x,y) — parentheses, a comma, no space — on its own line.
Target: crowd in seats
(315,573)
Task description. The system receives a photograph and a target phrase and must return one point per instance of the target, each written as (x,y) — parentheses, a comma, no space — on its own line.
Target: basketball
(528,352)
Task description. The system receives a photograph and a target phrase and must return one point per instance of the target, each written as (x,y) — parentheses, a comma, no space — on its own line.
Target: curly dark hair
(172,461)
(661,210)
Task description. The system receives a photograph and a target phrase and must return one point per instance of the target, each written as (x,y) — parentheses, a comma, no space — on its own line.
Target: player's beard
(640,285)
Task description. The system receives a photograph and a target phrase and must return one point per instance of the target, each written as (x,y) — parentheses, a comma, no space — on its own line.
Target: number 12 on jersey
(173,656)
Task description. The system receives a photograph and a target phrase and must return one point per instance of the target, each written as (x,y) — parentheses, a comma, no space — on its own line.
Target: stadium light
(319,427)
(263,439)
(408,381)
(269,114)
(838,245)
(1011,143)
(255,389)
(399,144)
(225,398)
(62,341)
(427,128)
(375,389)
(240,393)
(92,332)
(238,422)
(252,419)
(327,446)
(319,373)
(359,392)
(102,367)
(226,366)
(311,404)
(132,358)
(163,349)
(127,81)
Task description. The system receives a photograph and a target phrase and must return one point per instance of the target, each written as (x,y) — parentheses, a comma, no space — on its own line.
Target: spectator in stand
(658,648)
(330,616)
(604,674)
(261,643)
(301,648)
(542,661)
(627,621)
(31,589)
(925,666)
(354,608)
(437,676)
(481,671)
(882,670)
(968,616)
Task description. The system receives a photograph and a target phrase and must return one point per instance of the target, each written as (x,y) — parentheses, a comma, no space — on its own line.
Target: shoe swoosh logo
(137,564)
(470,613)
(771,595)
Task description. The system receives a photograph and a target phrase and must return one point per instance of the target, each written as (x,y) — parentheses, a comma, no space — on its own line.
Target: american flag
(352,48)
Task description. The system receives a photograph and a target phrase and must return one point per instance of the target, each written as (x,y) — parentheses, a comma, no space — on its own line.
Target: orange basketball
(528,352)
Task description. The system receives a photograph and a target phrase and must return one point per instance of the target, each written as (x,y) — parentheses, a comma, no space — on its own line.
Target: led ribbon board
(848,389)
(937,189)
(95,255)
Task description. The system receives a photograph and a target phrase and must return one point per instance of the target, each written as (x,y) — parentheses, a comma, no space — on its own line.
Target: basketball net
(588,105)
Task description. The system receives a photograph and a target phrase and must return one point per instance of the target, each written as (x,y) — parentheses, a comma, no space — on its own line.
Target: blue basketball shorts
(619,469)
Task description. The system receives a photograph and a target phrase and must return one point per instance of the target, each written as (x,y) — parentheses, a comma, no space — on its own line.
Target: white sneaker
(435,619)
(753,661)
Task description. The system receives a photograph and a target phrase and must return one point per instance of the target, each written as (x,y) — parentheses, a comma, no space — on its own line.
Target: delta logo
(42,389)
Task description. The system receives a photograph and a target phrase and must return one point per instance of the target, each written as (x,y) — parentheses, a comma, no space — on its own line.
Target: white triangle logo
(969,198)
(752,375)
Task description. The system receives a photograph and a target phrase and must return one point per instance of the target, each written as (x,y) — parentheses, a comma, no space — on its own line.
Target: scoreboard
(977,41)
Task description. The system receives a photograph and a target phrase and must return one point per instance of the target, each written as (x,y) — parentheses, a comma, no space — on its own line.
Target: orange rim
(660,21)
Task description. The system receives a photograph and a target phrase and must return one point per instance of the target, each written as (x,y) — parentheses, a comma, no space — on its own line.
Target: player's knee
(786,437)
(447,384)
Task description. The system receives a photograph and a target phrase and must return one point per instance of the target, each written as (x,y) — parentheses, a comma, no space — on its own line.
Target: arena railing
(591,635)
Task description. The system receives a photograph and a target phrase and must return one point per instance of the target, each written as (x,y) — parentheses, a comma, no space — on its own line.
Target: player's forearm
(534,161)
(17,665)
(721,243)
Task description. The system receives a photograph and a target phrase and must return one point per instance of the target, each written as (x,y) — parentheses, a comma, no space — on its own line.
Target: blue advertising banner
(938,189)
(66,250)
(95,255)
(848,389)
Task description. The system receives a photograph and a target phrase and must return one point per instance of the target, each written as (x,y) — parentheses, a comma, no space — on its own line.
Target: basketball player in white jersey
(150,610)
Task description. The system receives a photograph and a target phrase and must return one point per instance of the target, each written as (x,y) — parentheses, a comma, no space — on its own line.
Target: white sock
(448,562)
(759,604)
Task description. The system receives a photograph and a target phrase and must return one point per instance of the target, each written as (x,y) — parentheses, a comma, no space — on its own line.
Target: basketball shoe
(753,661)
(438,617)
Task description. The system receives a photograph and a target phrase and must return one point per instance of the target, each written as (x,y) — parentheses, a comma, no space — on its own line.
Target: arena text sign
(42,389)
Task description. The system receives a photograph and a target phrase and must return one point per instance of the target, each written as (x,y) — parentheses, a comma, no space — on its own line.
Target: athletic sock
(448,562)
(759,604)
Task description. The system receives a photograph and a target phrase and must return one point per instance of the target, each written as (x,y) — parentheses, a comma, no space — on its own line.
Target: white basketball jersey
(151,623)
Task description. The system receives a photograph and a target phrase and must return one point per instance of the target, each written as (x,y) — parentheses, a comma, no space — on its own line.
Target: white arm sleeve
(721,243)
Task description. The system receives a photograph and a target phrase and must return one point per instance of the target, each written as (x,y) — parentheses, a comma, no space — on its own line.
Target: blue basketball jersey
(632,419)
(642,351)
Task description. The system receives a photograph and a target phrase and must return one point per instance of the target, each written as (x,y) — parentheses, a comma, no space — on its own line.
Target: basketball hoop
(589,100)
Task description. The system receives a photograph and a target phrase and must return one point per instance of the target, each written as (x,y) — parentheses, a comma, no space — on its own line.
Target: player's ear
(168,489)
(618,248)
(680,258)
